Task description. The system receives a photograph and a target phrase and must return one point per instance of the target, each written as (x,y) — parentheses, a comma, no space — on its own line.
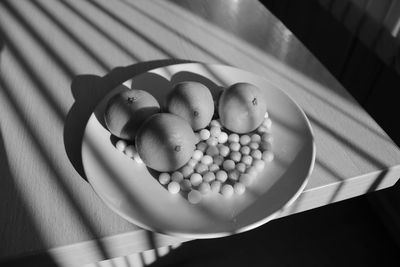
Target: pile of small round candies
(128,149)
(222,162)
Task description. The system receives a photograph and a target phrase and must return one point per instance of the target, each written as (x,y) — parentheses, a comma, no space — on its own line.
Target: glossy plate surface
(130,190)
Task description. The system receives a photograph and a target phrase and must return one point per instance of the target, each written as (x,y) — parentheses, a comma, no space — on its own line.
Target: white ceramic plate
(130,190)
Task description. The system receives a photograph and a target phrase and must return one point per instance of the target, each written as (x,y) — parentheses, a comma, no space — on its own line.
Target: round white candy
(267,156)
(174,187)
(224,150)
(222,138)
(247,159)
(234,146)
(121,145)
(254,145)
(197,155)
(235,156)
(216,186)
(208,177)
(244,140)
(218,160)
(130,151)
(164,178)
(252,171)
(228,165)
(186,185)
(259,164)
(213,167)
(267,123)
(204,188)
(221,176)
(204,134)
(262,129)
(265,145)
(187,171)
(207,160)
(198,138)
(192,163)
(239,188)
(233,138)
(241,167)
(137,158)
(177,176)
(215,123)
(194,196)
(227,190)
(201,168)
(256,138)
(256,154)
(212,141)
(234,175)
(212,151)
(245,150)
(267,137)
(215,131)
(202,146)
(196,179)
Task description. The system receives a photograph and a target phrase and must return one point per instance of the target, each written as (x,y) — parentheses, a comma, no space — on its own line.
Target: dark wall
(354,46)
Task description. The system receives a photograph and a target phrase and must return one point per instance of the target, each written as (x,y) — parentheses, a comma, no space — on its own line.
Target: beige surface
(56,63)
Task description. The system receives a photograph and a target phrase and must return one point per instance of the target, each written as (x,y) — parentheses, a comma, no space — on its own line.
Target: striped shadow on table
(142,259)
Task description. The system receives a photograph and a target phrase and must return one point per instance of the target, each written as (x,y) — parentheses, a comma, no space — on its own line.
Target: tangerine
(165,142)
(126,111)
(192,101)
(242,107)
